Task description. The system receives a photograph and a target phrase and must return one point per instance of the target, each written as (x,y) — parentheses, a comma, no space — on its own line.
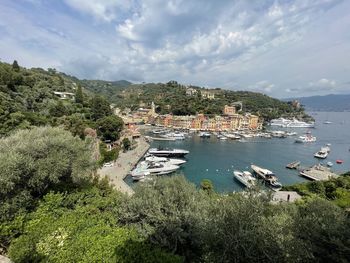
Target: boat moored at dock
(173,161)
(166,152)
(268,176)
(245,178)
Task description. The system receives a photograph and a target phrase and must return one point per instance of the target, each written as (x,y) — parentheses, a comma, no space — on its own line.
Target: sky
(284,49)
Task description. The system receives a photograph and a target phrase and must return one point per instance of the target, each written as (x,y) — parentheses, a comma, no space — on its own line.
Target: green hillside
(171,98)
(27,99)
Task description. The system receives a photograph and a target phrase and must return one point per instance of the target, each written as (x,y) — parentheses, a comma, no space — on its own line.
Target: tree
(207,186)
(34,162)
(15,66)
(67,229)
(126,143)
(109,127)
(79,95)
(99,108)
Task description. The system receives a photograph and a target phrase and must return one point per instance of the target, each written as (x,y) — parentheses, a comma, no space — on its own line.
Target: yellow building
(229,110)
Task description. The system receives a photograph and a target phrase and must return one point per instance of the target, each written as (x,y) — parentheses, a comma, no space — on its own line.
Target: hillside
(331,102)
(27,98)
(172,98)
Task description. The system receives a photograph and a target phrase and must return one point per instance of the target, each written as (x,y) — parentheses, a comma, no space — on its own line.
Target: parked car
(108,165)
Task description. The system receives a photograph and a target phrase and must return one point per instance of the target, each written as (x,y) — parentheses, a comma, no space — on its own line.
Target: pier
(318,173)
(123,165)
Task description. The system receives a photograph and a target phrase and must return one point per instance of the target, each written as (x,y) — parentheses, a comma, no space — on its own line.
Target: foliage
(171,98)
(99,108)
(80,228)
(126,143)
(27,98)
(109,127)
(33,162)
(207,186)
(336,190)
(107,155)
(79,95)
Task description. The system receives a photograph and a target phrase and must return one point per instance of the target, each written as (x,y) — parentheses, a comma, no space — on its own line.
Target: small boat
(245,178)
(204,134)
(329,164)
(268,176)
(174,135)
(293,165)
(305,138)
(339,161)
(327,122)
(321,154)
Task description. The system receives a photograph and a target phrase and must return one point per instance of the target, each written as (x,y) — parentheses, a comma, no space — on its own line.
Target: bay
(216,160)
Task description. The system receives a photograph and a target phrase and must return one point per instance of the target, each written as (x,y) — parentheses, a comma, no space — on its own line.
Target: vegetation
(126,144)
(53,207)
(335,190)
(172,98)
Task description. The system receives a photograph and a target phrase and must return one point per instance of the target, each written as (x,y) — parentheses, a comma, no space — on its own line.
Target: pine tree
(15,66)
(79,95)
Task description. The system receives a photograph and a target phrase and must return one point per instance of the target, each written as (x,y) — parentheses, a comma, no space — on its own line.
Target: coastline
(125,162)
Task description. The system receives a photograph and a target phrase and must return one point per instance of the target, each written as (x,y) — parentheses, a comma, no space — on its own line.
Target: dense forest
(171,98)
(55,208)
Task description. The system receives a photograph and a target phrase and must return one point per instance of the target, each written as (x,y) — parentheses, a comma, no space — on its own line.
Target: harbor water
(214,159)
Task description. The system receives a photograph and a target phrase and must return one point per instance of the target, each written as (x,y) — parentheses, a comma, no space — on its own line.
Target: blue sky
(281,48)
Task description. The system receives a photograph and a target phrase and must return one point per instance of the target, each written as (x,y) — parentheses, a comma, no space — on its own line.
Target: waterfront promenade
(122,166)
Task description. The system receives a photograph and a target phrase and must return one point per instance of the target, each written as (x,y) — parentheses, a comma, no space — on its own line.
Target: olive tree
(33,162)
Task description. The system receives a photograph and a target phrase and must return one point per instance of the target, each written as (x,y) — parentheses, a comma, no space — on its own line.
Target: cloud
(222,43)
(320,86)
(104,10)
(262,86)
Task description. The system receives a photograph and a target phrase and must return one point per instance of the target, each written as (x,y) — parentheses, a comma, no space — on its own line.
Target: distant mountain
(331,102)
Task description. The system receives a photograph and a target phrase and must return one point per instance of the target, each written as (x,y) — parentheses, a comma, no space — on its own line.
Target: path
(123,165)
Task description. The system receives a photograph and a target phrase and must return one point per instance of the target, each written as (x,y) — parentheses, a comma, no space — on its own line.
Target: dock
(318,173)
(160,138)
(293,165)
(125,162)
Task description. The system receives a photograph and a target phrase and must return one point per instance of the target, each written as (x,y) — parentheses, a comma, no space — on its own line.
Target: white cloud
(208,43)
(263,86)
(322,84)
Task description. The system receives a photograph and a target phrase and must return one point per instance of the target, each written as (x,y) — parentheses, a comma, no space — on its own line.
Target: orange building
(229,110)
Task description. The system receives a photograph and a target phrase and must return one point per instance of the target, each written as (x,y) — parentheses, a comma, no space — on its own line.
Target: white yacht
(164,160)
(146,168)
(175,135)
(245,178)
(281,122)
(305,138)
(268,177)
(165,152)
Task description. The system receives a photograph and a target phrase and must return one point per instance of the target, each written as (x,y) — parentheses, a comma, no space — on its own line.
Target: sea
(214,159)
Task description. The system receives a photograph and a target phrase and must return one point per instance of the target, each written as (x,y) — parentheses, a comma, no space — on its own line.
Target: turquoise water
(215,160)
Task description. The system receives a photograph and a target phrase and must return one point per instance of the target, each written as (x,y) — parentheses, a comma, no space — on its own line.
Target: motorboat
(232,136)
(268,176)
(159,131)
(204,134)
(175,135)
(164,160)
(305,138)
(245,178)
(153,168)
(321,154)
(329,164)
(327,122)
(166,152)
(278,134)
(291,133)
